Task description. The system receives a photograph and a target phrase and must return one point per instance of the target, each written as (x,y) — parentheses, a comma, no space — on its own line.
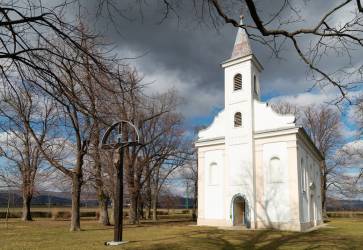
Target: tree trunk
(148,210)
(76,203)
(140,208)
(112,220)
(323,198)
(154,205)
(148,196)
(103,210)
(102,200)
(195,201)
(133,213)
(26,216)
(323,187)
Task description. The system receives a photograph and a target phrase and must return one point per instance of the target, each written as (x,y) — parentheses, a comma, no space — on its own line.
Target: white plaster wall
(239,141)
(240,166)
(276,202)
(267,119)
(318,191)
(213,195)
(300,156)
(310,194)
(216,129)
(240,178)
(303,185)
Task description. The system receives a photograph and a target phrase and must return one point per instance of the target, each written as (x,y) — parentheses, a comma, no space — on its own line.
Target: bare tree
(358,114)
(160,128)
(43,48)
(17,108)
(356,150)
(285,108)
(190,174)
(162,171)
(76,131)
(349,184)
(322,123)
(164,150)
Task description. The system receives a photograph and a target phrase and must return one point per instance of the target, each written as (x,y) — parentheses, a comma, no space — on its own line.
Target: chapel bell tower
(241,87)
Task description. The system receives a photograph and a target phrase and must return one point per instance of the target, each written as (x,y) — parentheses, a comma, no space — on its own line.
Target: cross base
(115,243)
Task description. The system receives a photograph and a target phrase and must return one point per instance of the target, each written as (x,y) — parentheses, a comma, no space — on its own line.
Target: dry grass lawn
(48,234)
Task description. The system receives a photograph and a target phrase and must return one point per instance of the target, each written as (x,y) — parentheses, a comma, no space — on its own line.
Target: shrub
(161,212)
(345,214)
(88,214)
(10,215)
(41,214)
(56,214)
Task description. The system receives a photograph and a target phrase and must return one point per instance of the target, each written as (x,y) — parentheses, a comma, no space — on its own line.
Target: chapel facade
(256,168)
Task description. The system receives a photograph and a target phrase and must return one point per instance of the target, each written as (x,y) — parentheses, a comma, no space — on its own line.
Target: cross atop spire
(242,45)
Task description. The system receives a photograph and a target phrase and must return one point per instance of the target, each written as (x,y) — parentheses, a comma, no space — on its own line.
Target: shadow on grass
(199,238)
(267,240)
(259,240)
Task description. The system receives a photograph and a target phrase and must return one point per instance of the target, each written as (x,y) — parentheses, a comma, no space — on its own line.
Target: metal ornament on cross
(106,144)
(117,129)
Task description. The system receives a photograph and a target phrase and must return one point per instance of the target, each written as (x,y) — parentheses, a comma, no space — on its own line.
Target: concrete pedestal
(115,243)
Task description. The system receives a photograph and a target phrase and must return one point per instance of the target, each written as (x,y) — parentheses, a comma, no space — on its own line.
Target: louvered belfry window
(237,82)
(238,119)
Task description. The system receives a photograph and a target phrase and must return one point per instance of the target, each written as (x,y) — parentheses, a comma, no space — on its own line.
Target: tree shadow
(271,239)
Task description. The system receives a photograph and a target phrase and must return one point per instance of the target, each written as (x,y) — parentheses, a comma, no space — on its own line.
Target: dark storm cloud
(186,54)
(182,45)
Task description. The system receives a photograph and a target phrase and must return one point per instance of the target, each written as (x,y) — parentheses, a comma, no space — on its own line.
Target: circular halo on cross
(114,139)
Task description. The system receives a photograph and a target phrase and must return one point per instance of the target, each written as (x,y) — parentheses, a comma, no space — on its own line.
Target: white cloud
(351,154)
(347,132)
(305,99)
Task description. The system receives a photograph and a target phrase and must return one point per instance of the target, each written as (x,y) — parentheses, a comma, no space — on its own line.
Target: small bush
(56,214)
(161,212)
(88,214)
(41,214)
(345,214)
(10,215)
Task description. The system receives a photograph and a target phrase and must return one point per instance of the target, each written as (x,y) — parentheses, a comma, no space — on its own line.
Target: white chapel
(256,168)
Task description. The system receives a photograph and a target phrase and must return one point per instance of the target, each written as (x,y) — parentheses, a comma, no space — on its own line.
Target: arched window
(238,119)
(213,174)
(255,85)
(275,170)
(237,82)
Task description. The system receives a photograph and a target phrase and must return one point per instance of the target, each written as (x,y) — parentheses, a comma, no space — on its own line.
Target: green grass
(47,234)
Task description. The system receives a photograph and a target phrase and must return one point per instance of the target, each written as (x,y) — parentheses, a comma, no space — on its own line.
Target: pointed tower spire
(242,45)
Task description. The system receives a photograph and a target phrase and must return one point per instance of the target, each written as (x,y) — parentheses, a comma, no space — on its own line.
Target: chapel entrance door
(239,211)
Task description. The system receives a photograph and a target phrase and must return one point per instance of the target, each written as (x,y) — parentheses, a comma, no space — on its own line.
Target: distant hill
(62,199)
(344,205)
